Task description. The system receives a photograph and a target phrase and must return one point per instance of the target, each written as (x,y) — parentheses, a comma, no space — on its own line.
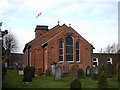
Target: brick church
(58,44)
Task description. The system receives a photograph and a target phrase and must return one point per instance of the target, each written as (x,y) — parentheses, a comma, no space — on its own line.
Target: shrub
(102,80)
(73,72)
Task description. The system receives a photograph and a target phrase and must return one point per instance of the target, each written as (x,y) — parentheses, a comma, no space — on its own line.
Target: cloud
(93,19)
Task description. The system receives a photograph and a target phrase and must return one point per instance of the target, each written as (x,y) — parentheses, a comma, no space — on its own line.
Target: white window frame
(110,60)
(95,61)
(61,54)
(73,49)
(79,52)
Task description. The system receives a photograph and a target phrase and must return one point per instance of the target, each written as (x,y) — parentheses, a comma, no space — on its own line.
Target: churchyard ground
(13,80)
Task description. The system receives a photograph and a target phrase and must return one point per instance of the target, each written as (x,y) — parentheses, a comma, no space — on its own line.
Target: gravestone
(27,74)
(53,66)
(96,69)
(47,72)
(73,72)
(75,83)
(20,72)
(58,73)
(80,74)
(66,70)
(88,71)
(95,73)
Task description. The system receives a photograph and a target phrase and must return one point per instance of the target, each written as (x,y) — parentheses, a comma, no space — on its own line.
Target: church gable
(59,44)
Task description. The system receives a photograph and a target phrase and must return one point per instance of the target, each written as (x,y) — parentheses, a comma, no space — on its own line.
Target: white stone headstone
(53,66)
(20,72)
(58,73)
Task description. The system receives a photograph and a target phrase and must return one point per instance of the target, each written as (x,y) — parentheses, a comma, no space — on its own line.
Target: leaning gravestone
(95,73)
(80,74)
(88,71)
(75,83)
(73,72)
(66,70)
(58,73)
(53,66)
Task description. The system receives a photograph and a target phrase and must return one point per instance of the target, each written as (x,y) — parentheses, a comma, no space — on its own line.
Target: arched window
(69,48)
(109,60)
(95,61)
(61,50)
(77,51)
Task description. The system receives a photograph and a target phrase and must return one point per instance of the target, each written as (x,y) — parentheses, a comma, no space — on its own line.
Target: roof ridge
(50,30)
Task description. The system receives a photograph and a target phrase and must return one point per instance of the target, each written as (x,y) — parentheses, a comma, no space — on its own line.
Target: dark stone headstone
(58,73)
(27,74)
(80,74)
(73,72)
(75,83)
(66,70)
(47,72)
(88,71)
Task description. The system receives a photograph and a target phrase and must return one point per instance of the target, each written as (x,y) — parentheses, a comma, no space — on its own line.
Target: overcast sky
(95,20)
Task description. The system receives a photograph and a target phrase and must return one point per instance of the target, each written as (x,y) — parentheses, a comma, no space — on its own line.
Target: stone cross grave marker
(58,73)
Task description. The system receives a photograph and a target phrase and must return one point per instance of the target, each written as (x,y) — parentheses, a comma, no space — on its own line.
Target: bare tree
(112,48)
(10,45)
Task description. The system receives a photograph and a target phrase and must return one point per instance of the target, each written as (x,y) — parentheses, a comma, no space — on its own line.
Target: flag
(1,24)
(39,15)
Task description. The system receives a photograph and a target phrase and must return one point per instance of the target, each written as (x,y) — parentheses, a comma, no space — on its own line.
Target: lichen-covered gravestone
(88,71)
(66,70)
(95,73)
(80,74)
(73,72)
(53,66)
(58,73)
(75,83)
(102,80)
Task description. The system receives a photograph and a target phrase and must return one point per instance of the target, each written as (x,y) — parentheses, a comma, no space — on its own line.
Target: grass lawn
(13,80)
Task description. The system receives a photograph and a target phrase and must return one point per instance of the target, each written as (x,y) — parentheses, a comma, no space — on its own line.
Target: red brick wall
(37,52)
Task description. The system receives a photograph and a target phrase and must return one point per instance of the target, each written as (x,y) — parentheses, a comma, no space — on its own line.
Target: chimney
(40,30)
